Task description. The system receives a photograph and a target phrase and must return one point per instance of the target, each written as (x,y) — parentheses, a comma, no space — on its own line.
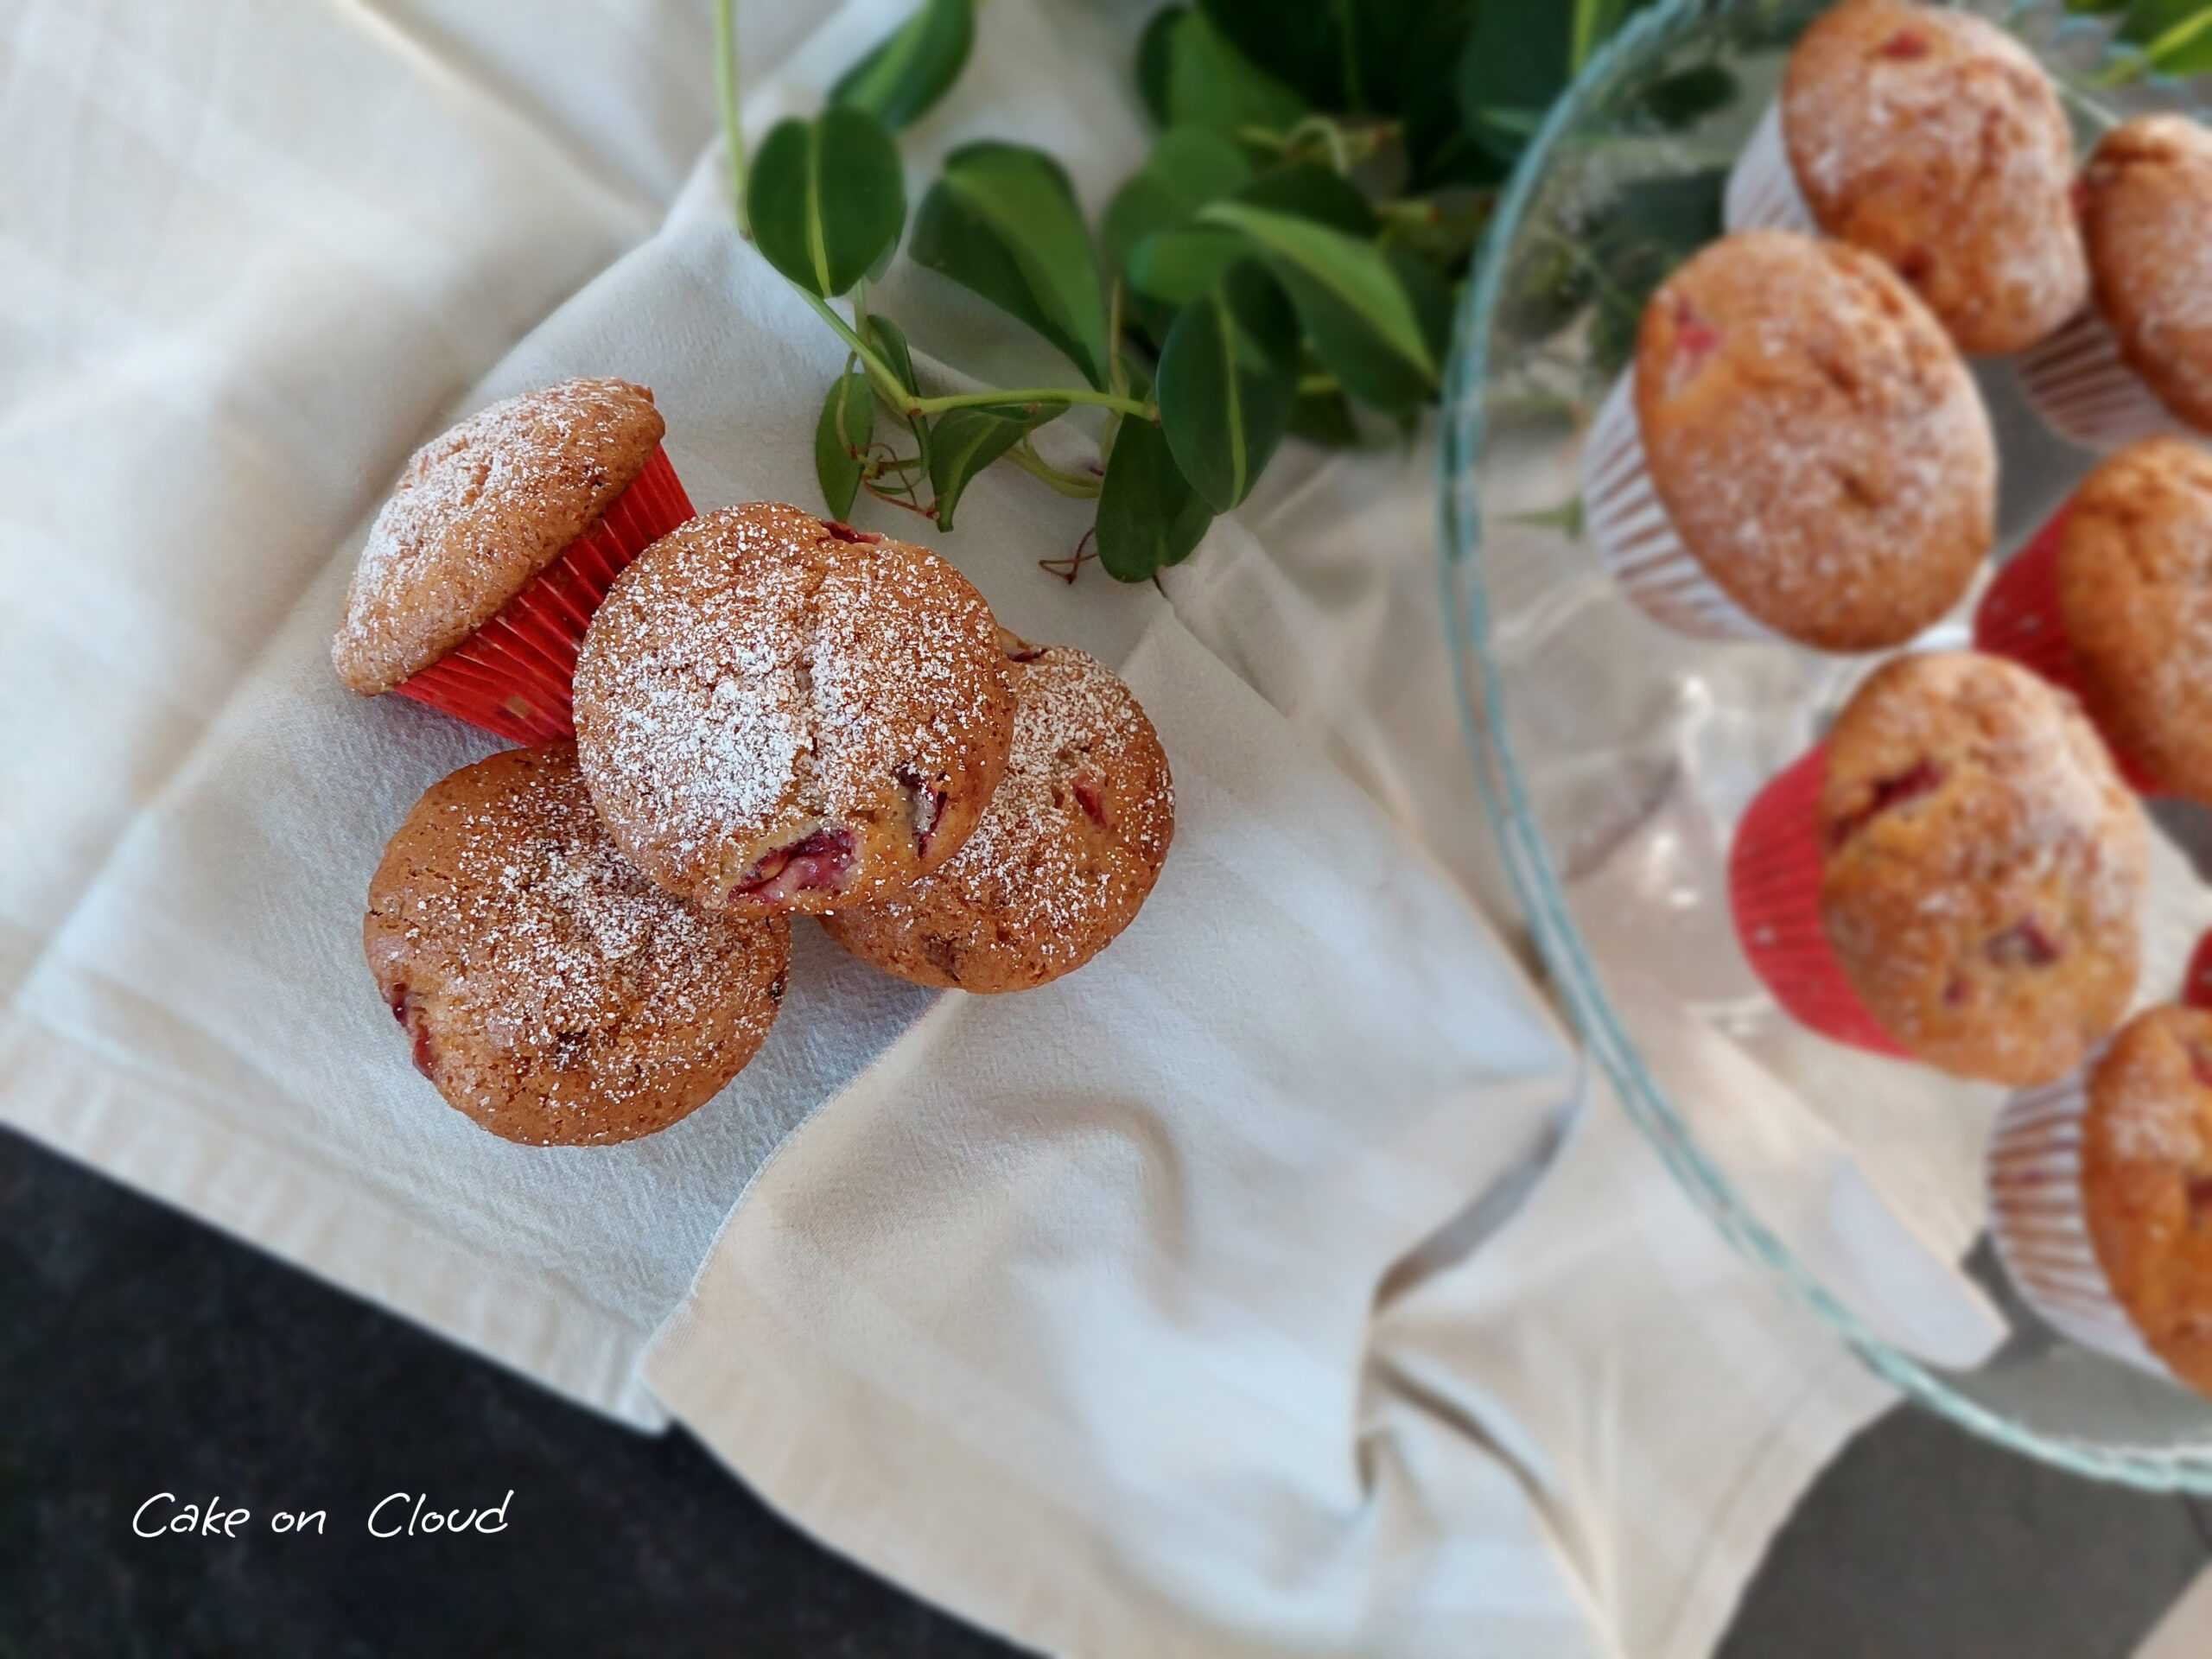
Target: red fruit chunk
(845,532)
(926,805)
(818,862)
(1091,796)
(2199,1191)
(1696,340)
(2024,945)
(1905,44)
(1923,777)
(409,1013)
(2200,1064)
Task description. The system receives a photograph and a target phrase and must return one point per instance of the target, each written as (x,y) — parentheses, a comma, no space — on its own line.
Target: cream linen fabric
(1269,1288)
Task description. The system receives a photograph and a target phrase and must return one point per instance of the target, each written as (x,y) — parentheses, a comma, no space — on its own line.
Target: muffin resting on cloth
(2147,1182)
(551,992)
(2135,592)
(1983,867)
(1816,439)
(1931,139)
(780,714)
(2146,215)
(1071,846)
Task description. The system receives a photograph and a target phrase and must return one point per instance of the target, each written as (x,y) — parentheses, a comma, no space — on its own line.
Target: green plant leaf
(841,437)
(1228,377)
(1374,334)
(1678,100)
(1188,168)
(1175,267)
(1514,63)
(1310,45)
(906,75)
(1311,191)
(1004,221)
(1326,418)
(1211,84)
(963,442)
(889,342)
(2176,35)
(1148,515)
(1155,47)
(826,198)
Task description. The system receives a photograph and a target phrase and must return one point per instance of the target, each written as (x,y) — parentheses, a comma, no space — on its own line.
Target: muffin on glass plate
(1070,847)
(2100,1197)
(2139,361)
(1798,453)
(2113,602)
(483,571)
(1931,139)
(550,991)
(778,714)
(1955,876)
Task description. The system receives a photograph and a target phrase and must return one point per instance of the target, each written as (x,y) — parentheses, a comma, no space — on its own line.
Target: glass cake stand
(1616,756)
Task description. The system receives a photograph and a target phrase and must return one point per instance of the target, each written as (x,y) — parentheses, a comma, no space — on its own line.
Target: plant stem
(886,383)
(725,84)
(1031,395)
(1081,486)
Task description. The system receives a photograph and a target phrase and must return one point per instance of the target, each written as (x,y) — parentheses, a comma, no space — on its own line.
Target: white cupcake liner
(1635,539)
(1762,192)
(2085,391)
(2037,1222)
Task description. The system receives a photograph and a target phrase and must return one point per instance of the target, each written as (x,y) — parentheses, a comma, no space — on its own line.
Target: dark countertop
(141,1352)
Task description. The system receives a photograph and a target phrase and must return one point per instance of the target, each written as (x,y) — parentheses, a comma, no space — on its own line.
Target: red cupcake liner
(512,677)
(2019,618)
(2196,984)
(1774,894)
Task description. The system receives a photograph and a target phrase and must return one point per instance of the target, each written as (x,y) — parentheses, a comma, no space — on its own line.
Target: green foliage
(2175,36)
(1149,516)
(841,437)
(827,198)
(1210,84)
(1004,221)
(962,444)
(899,81)
(1228,378)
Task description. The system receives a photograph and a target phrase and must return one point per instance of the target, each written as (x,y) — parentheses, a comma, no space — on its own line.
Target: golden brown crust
(478,512)
(2146,214)
(1931,139)
(2147,1182)
(1074,839)
(779,715)
(2135,588)
(1984,865)
(1818,444)
(552,993)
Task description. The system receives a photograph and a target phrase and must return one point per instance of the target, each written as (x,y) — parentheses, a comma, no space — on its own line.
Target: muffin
(549,990)
(1817,446)
(2146,215)
(1071,846)
(2147,1182)
(481,573)
(1928,137)
(777,715)
(2135,594)
(1983,866)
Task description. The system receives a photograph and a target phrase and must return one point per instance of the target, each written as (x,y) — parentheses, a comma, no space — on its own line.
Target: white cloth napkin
(1270,1286)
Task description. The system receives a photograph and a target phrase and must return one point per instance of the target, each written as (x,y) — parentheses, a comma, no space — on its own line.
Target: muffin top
(2135,588)
(2147,1182)
(780,714)
(1983,867)
(2146,215)
(1931,139)
(1817,440)
(551,992)
(480,511)
(1073,841)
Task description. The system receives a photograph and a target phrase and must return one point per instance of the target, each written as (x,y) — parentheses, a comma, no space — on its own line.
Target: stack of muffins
(731,719)
(1800,454)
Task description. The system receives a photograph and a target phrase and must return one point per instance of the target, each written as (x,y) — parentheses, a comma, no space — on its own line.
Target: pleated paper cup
(2019,618)
(2085,391)
(512,677)
(1633,534)
(1773,894)
(1762,192)
(2038,1226)
(2196,984)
